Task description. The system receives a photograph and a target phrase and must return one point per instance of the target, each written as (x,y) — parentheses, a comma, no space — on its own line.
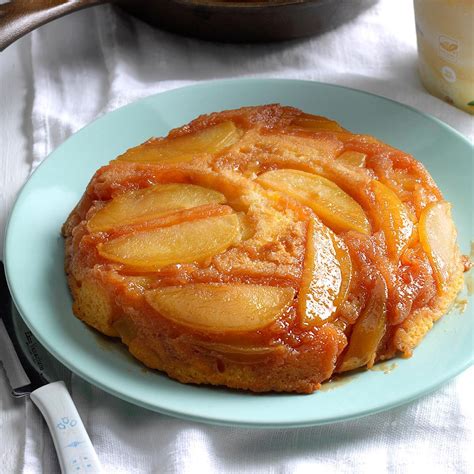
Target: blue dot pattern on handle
(81,463)
(74,444)
(65,423)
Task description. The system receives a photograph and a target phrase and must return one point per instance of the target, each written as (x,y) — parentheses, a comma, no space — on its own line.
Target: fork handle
(73,445)
(19,17)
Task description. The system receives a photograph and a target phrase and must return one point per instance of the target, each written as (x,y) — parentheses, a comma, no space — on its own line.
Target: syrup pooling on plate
(262,248)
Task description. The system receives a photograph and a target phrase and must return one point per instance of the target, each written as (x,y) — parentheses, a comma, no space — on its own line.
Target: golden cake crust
(360,280)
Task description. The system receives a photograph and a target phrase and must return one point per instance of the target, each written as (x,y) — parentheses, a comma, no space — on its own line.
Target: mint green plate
(34,255)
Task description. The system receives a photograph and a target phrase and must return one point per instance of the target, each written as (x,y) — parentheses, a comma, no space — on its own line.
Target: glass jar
(445,34)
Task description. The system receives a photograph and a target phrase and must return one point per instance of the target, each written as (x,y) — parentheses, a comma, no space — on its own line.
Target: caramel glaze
(409,279)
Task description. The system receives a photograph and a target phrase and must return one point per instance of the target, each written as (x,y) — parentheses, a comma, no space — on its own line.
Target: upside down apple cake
(263,249)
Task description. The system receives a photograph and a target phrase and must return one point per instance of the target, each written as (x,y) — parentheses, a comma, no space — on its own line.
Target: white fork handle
(73,445)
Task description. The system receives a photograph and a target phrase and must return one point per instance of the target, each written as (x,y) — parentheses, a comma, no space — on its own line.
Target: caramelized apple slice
(353,158)
(315,123)
(144,204)
(345,264)
(393,218)
(368,330)
(221,307)
(438,239)
(335,208)
(326,276)
(187,242)
(185,148)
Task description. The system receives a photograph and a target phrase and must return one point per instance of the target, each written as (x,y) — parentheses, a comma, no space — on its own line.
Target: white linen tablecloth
(97,60)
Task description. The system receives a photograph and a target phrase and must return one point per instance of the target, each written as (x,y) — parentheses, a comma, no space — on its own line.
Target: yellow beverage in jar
(445,34)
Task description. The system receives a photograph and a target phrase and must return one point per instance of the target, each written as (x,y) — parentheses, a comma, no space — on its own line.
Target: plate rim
(186,414)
